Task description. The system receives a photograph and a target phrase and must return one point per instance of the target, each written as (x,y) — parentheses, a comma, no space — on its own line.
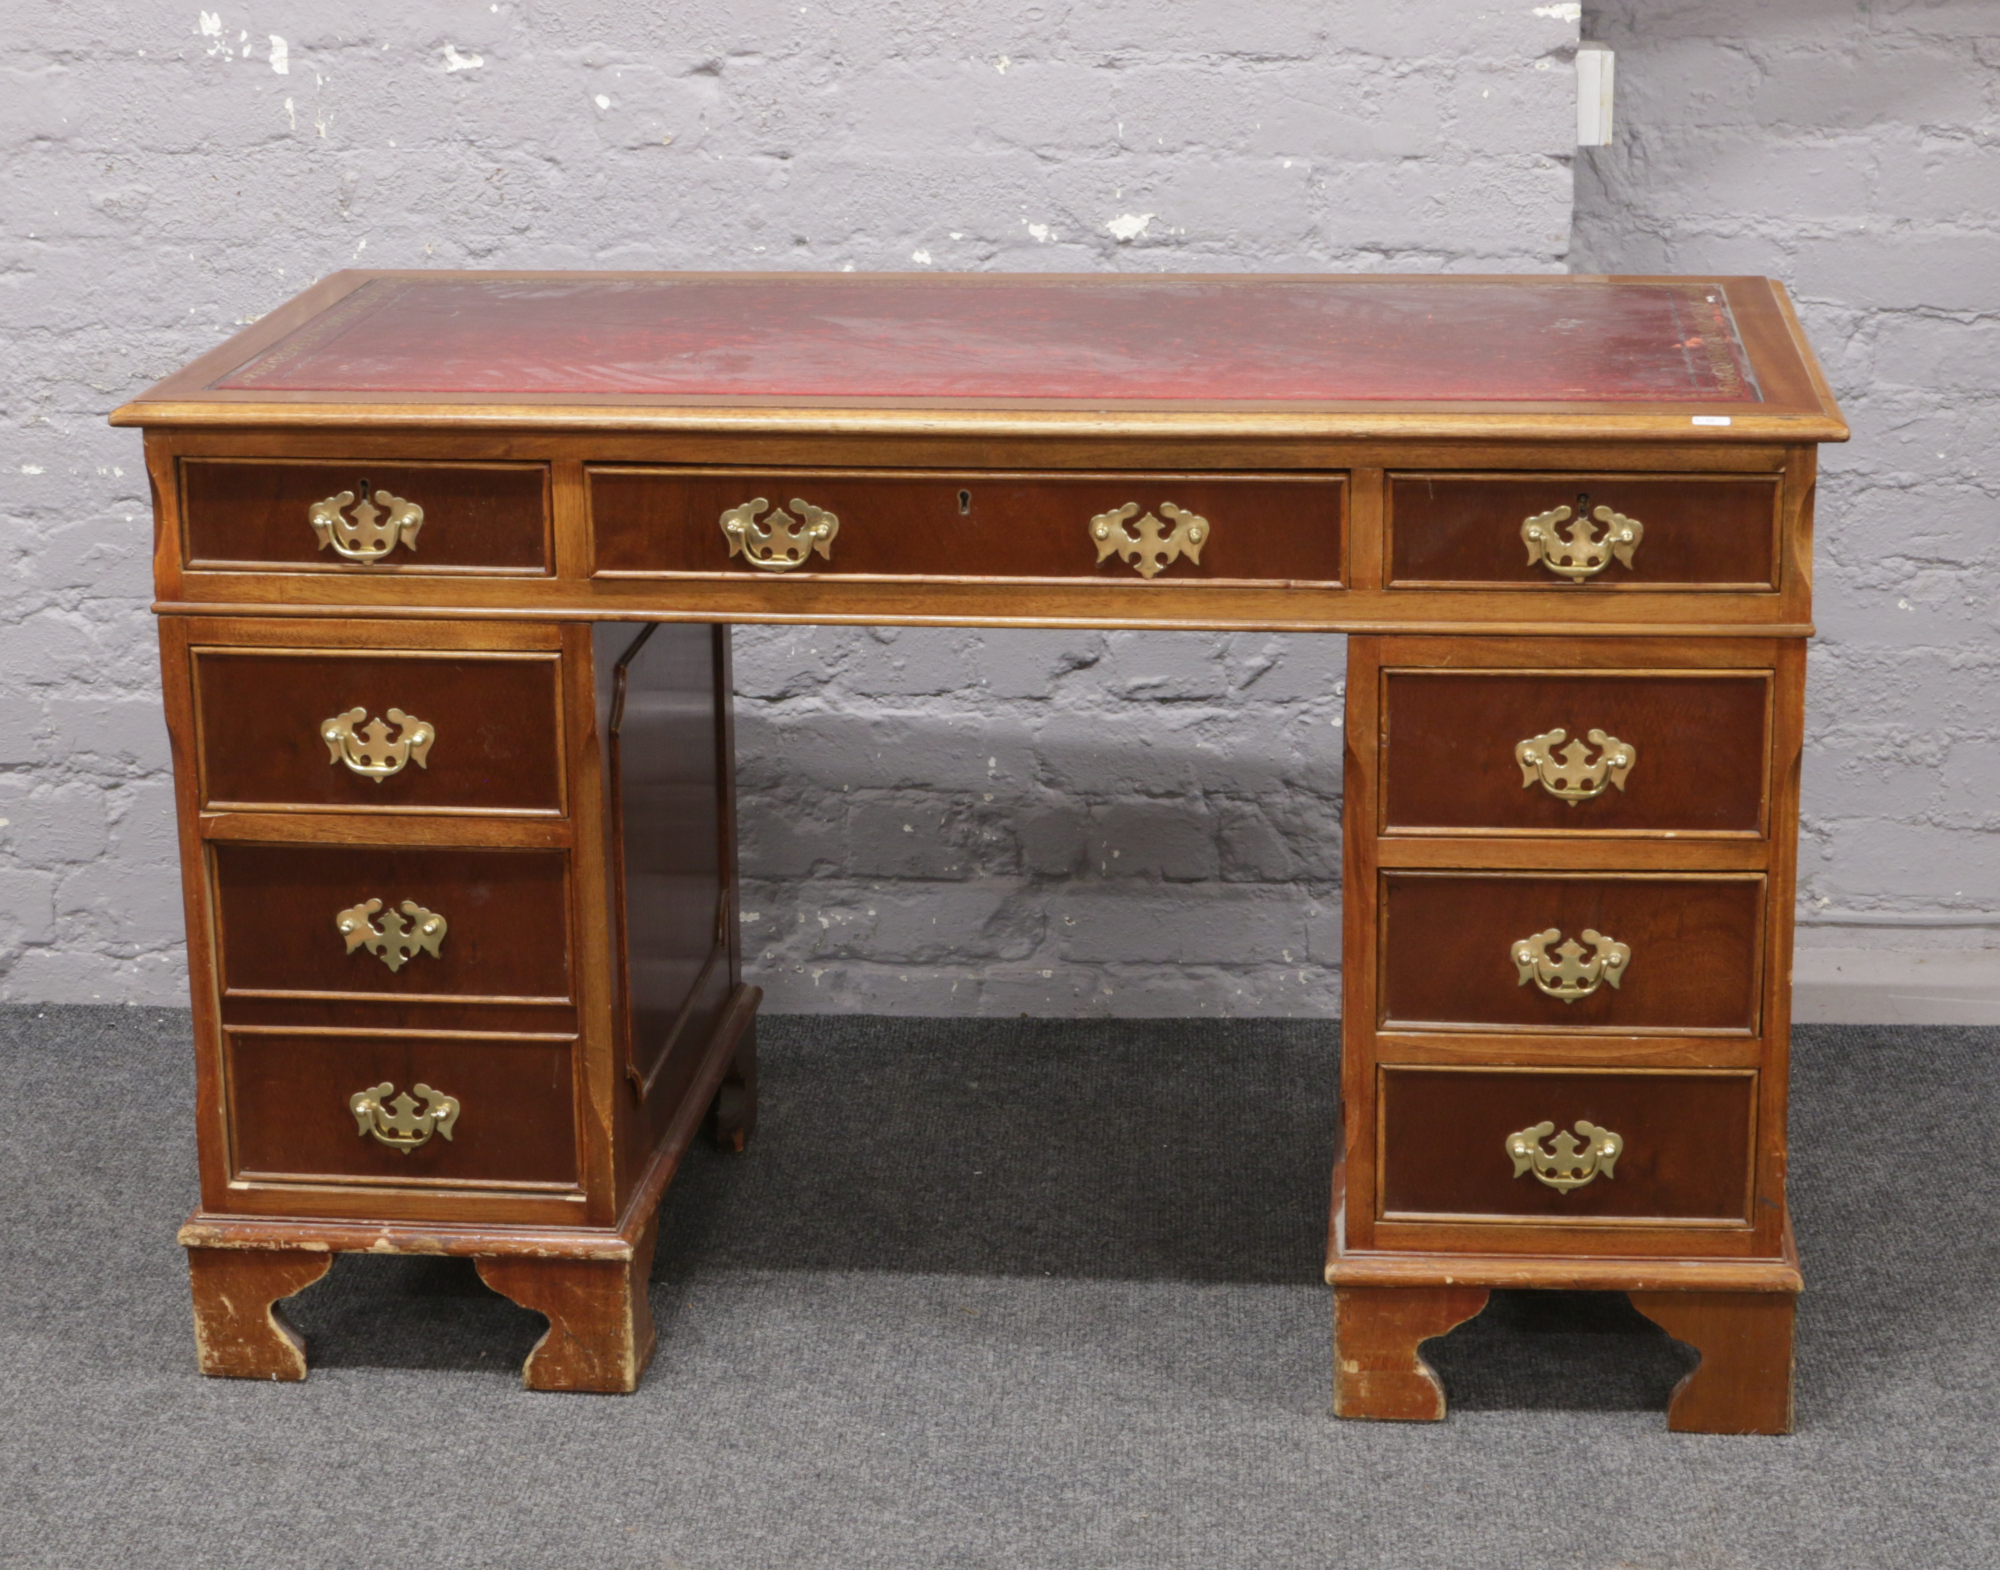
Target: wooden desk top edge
(1772,339)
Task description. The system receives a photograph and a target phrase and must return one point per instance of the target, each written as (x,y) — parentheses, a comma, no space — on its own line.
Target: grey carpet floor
(1016,1293)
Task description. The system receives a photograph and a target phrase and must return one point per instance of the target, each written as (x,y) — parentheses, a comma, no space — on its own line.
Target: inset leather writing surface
(497,747)
(289,1116)
(506,913)
(1447,940)
(491,517)
(984,336)
(993,525)
(1686,1140)
(1458,528)
(1449,740)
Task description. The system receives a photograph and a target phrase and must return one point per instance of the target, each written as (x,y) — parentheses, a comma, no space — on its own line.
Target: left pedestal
(462,935)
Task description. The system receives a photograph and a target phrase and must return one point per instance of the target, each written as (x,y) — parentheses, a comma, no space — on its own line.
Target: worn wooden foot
(600,1334)
(239,1330)
(1376,1331)
(1744,1382)
(732,1118)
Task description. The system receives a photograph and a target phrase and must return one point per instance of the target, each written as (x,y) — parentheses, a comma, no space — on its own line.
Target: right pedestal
(1569,871)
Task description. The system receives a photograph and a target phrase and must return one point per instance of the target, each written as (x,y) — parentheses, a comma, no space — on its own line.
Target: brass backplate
(363,527)
(1570,773)
(403,935)
(779,542)
(1577,553)
(1149,545)
(1567,974)
(394,1120)
(367,749)
(1569,1162)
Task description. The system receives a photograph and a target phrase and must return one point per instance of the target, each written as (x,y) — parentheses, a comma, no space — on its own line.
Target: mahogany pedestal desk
(446,564)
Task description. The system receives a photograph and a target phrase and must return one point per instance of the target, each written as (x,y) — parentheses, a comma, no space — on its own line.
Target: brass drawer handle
(1576,553)
(1566,974)
(397,1123)
(1570,1164)
(365,528)
(779,542)
(1155,546)
(1571,775)
(370,753)
(402,936)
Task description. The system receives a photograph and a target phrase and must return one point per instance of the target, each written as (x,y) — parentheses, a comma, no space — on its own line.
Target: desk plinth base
(1736,1313)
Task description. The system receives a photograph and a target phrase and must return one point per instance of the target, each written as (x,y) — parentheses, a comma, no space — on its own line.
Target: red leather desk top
(1542,340)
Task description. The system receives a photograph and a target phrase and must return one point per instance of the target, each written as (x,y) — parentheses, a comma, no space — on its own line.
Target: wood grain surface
(1449,739)
(289,1118)
(1447,950)
(972,525)
(497,721)
(1686,1154)
(477,517)
(1706,530)
(506,911)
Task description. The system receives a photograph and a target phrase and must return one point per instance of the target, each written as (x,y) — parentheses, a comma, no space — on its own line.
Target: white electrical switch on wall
(1593,95)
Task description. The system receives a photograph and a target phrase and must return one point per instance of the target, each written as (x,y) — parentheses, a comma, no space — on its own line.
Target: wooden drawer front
(476,517)
(290,1117)
(495,742)
(1698,745)
(1449,940)
(1698,531)
(506,914)
(658,521)
(1685,1144)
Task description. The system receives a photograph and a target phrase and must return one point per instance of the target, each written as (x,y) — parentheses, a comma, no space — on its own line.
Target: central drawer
(389,731)
(319,921)
(1169,528)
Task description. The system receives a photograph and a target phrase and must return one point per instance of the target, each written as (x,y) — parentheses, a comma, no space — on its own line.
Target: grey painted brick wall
(1854,151)
(961,821)
(932,820)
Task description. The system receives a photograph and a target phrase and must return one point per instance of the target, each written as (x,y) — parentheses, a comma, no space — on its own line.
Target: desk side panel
(663,693)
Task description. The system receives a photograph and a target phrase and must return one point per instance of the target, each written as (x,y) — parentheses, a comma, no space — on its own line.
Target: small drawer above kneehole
(1166,529)
(1552,953)
(395,731)
(1583,531)
(365,516)
(1512,1145)
(1575,752)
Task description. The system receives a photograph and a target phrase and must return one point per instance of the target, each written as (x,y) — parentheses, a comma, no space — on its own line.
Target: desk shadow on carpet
(1072,1150)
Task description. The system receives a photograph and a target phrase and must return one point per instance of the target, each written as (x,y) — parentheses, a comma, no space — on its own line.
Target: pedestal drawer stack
(1570,872)
(387,891)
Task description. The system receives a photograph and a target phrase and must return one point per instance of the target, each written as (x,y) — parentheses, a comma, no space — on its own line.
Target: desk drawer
(1690,962)
(419,517)
(1471,1144)
(1114,527)
(293,1114)
(286,914)
(278,728)
(1693,531)
(1514,751)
